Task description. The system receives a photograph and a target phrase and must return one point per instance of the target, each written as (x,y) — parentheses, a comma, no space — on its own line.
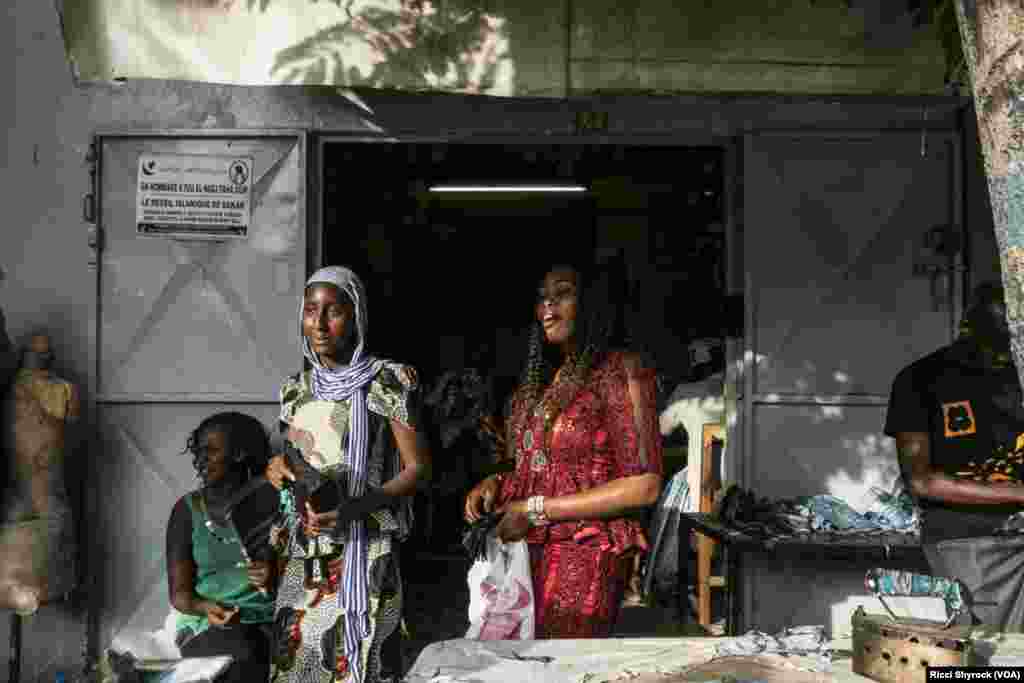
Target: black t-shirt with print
(970,412)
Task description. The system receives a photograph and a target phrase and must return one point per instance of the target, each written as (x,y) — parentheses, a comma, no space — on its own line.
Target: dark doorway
(451,281)
(450,277)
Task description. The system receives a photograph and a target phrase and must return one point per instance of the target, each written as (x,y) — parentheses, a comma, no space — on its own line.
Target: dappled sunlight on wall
(815,414)
(275,227)
(810,443)
(871,457)
(877,467)
(410,44)
(446,46)
(512,48)
(810,375)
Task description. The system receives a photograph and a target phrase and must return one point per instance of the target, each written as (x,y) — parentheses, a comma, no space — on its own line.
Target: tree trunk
(992,33)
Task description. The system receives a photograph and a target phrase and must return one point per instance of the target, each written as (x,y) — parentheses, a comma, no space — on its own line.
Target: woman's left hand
(514,524)
(317,523)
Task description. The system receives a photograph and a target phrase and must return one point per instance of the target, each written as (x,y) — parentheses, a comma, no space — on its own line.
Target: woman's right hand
(481,499)
(218,614)
(277,471)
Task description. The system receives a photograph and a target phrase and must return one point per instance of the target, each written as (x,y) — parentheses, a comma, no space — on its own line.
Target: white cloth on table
(195,670)
(619,659)
(595,660)
(149,644)
(159,658)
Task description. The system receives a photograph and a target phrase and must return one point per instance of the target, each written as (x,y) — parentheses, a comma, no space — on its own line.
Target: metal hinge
(94,236)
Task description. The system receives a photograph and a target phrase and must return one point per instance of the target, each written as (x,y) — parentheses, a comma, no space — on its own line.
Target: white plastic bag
(501,598)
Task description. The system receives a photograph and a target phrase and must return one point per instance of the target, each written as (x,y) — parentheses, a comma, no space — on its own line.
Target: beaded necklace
(567,383)
(209,522)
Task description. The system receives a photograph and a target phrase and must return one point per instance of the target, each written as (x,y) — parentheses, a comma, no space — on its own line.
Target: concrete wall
(780,46)
(43,243)
(49,121)
(527,49)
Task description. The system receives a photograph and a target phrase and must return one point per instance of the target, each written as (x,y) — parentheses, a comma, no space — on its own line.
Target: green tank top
(217,575)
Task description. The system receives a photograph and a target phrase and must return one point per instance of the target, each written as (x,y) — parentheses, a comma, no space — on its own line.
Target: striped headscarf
(337,384)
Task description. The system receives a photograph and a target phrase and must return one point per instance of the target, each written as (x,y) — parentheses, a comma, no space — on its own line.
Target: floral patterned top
(319,430)
(608,431)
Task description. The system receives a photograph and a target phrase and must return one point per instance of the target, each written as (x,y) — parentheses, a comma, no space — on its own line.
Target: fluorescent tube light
(508,188)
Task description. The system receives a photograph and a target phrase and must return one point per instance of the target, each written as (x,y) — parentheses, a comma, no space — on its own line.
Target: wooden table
(877,549)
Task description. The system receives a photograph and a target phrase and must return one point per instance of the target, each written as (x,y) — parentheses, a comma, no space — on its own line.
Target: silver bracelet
(535,511)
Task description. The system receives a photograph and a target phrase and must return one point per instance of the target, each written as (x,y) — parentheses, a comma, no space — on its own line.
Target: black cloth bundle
(741,510)
(310,486)
(307,478)
(474,540)
(251,514)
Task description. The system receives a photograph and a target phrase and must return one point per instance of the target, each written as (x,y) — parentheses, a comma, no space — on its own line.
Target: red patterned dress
(608,431)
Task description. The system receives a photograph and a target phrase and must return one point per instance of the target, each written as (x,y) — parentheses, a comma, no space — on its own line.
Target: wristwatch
(535,511)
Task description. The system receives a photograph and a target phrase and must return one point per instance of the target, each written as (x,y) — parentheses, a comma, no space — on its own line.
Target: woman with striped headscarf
(353,419)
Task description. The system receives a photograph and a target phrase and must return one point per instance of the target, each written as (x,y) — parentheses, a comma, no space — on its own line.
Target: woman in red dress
(583,430)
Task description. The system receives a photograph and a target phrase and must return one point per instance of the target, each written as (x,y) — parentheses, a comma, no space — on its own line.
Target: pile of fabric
(802,641)
(891,512)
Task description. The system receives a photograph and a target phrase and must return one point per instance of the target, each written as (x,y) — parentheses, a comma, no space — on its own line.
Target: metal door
(842,291)
(182,328)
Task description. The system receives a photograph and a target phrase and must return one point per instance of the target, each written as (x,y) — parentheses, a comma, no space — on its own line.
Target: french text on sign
(194,194)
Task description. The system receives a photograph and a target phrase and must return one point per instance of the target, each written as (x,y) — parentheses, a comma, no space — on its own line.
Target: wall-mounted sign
(194,196)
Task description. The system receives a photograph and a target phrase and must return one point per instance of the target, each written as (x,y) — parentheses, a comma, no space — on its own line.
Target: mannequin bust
(8,359)
(37,546)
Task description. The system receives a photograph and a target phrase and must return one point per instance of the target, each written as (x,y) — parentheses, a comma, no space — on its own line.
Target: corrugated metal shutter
(834,224)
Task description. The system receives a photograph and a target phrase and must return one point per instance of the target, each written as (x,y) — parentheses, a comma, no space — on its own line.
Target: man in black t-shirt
(958,421)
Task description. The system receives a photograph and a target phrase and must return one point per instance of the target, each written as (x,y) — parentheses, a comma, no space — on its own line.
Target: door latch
(937,251)
(94,238)
(89,208)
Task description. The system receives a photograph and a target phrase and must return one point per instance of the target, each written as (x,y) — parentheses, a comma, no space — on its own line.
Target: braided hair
(248,445)
(601,293)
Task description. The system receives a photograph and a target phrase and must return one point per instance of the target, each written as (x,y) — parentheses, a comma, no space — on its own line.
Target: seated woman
(222,612)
